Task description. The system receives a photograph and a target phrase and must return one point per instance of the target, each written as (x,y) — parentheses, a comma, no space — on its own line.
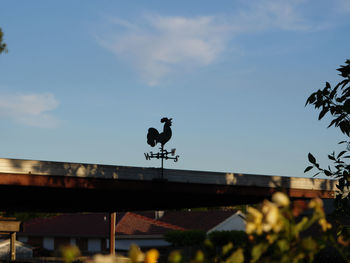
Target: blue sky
(84,80)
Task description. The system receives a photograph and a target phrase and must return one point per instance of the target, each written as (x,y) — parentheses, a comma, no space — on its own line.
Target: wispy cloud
(29,109)
(156,46)
(265,15)
(160,45)
(343,6)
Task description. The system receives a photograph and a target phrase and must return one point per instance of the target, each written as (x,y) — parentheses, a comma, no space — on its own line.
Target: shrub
(221,238)
(185,238)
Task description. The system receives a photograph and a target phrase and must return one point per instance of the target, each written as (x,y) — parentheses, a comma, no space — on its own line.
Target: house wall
(93,245)
(23,239)
(235,222)
(35,241)
(54,243)
(60,242)
(124,244)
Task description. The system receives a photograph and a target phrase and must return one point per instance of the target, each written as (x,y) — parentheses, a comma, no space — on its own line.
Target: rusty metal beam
(35,192)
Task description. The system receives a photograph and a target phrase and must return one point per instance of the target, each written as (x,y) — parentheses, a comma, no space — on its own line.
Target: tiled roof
(130,223)
(199,220)
(84,225)
(136,224)
(96,225)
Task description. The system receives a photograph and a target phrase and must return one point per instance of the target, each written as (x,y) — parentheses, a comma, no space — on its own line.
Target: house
(90,231)
(146,232)
(87,231)
(208,221)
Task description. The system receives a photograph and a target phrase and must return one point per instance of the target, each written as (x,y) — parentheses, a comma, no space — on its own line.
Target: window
(94,244)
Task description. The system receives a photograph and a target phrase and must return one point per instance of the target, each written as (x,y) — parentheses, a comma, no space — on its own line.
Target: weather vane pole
(154,137)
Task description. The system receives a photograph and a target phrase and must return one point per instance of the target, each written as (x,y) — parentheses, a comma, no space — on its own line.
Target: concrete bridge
(30,185)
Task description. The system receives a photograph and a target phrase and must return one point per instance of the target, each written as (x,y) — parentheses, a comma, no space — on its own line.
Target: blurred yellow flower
(324,224)
(278,226)
(103,259)
(152,256)
(254,221)
(199,257)
(70,253)
(281,199)
(135,253)
(270,212)
(271,219)
(175,256)
(316,203)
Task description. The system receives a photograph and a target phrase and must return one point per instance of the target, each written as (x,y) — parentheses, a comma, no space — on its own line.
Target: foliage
(70,253)
(221,238)
(277,236)
(336,102)
(275,232)
(185,238)
(3,46)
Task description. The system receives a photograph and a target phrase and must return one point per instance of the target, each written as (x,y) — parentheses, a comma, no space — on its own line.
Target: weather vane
(154,137)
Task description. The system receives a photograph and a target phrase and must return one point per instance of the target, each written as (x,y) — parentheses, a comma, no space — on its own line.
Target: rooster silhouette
(154,137)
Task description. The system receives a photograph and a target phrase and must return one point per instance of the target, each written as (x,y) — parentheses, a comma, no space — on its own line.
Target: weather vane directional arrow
(154,137)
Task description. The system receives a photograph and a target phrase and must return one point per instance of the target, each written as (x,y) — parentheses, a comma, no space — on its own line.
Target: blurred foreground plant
(277,231)
(70,253)
(135,255)
(279,234)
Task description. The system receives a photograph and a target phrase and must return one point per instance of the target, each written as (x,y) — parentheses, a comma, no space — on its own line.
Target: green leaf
(302,225)
(332,122)
(311,99)
(331,157)
(345,127)
(328,173)
(283,245)
(227,248)
(258,250)
(322,113)
(340,154)
(347,106)
(341,83)
(316,174)
(308,169)
(309,243)
(312,159)
(236,257)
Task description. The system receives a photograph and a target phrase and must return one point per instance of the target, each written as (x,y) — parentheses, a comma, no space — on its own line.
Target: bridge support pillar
(112,221)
